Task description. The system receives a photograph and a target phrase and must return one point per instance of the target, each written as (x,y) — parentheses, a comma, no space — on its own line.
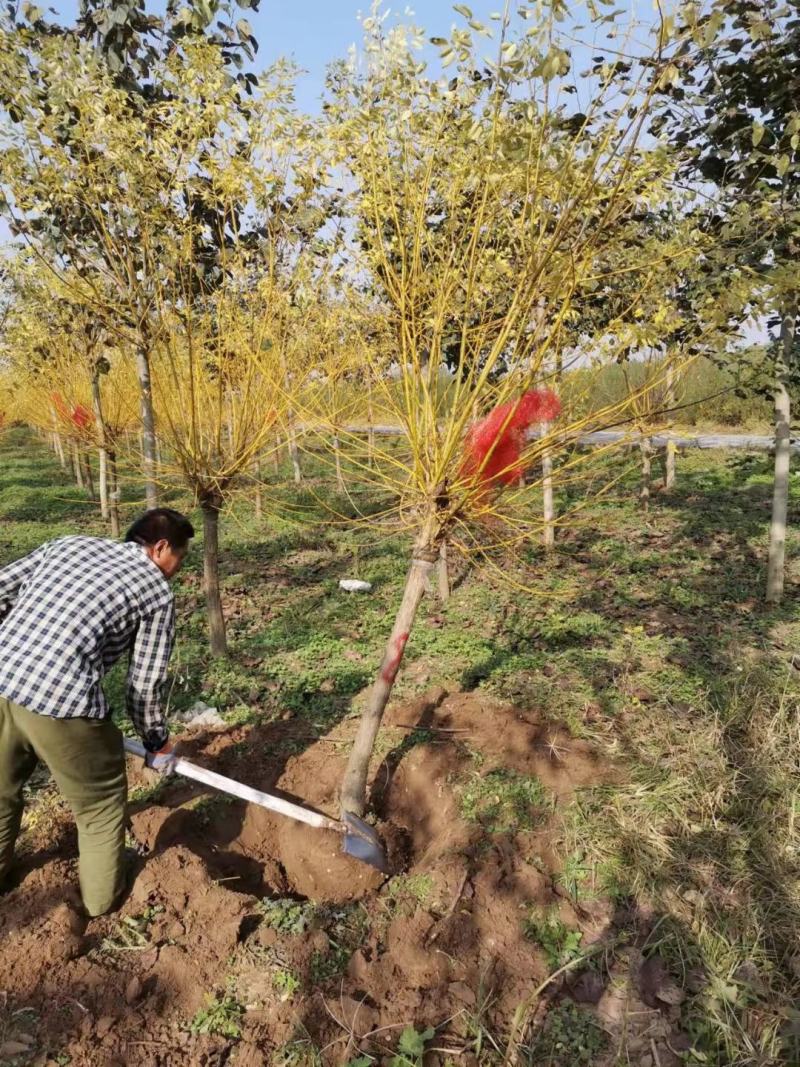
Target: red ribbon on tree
(502,433)
(81,416)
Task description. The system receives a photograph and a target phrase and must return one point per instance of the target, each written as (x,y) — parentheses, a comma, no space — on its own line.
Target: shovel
(359,839)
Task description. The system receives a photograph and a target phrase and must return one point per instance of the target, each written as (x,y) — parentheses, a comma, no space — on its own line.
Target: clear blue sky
(315,32)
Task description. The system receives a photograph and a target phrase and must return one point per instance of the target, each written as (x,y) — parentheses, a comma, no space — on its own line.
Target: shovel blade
(362,843)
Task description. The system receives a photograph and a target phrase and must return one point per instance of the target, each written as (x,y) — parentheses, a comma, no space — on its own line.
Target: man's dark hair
(161,524)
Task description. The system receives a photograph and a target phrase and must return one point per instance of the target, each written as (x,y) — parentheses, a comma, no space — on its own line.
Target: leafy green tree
(734,110)
(476,213)
(135,47)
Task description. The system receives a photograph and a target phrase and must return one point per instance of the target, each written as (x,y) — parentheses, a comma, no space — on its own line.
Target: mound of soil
(444,941)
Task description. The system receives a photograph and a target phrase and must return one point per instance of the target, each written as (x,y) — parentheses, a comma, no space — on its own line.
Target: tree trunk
(669,465)
(88,473)
(644,492)
(669,452)
(442,574)
(62,459)
(77,469)
(216,620)
(294,454)
(780,491)
(276,463)
(113,495)
(257,475)
(354,787)
(548,508)
(338,458)
(102,450)
(148,426)
(370,426)
(102,477)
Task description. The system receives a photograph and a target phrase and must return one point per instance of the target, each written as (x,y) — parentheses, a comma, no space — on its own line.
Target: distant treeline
(704,394)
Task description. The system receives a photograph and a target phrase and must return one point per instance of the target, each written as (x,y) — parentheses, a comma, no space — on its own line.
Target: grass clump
(345,929)
(503,801)
(411,1047)
(569,1036)
(416,887)
(221,1015)
(285,983)
(288,916)
(131,932)
(559,942)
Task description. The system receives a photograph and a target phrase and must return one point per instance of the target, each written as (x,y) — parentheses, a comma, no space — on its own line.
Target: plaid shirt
(69,610)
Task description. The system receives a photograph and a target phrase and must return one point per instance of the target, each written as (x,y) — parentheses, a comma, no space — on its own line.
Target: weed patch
(559,942)
(503,801)
(569,1036)
(221,1015)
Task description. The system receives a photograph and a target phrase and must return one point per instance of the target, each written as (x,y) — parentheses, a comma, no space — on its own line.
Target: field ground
(594,782)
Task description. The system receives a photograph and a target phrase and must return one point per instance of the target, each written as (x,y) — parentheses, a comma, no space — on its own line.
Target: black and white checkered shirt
(68,611)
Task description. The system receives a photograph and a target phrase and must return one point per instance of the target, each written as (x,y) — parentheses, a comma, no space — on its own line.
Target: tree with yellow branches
(482,208)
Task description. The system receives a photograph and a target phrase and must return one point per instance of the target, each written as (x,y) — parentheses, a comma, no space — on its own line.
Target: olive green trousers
(87,761)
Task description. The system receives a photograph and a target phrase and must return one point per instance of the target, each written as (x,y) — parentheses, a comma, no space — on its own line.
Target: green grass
(345,928)
(647,635)
(558,941)
(502,801)
(288,916)
(569,1036)
(220,1015)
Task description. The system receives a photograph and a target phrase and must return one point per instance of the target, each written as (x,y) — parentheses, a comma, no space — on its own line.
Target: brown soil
(122,989)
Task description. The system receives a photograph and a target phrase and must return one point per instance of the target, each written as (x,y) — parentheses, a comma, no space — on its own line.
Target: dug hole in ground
(247,938)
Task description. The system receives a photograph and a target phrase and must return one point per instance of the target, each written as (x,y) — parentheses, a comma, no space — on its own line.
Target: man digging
(68,611)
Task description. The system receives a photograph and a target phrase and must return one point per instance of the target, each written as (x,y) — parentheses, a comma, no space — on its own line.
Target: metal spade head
(362,843)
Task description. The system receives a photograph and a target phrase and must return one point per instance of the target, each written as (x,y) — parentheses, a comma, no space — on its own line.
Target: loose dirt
(442,943)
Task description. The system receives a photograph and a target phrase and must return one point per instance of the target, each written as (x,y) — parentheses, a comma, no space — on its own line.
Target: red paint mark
(389,672)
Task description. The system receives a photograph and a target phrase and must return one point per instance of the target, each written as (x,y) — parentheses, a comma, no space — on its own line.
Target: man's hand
(162,761)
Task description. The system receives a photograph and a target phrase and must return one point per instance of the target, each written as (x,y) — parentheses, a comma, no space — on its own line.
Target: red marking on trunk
(390,670)
(502,433)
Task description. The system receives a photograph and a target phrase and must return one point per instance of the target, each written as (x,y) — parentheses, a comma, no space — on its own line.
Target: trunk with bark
(259,505)
(354,787)
(62,459)
(443,574)
(102,450)
(77,469)
(780,491)
(370,427)
(548,509)
(646,450)
(294,455)
(216,620)
(148,426)
(88,473)
(338,458)
(113,494)
(669,451)
(669,465)
(102,478)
